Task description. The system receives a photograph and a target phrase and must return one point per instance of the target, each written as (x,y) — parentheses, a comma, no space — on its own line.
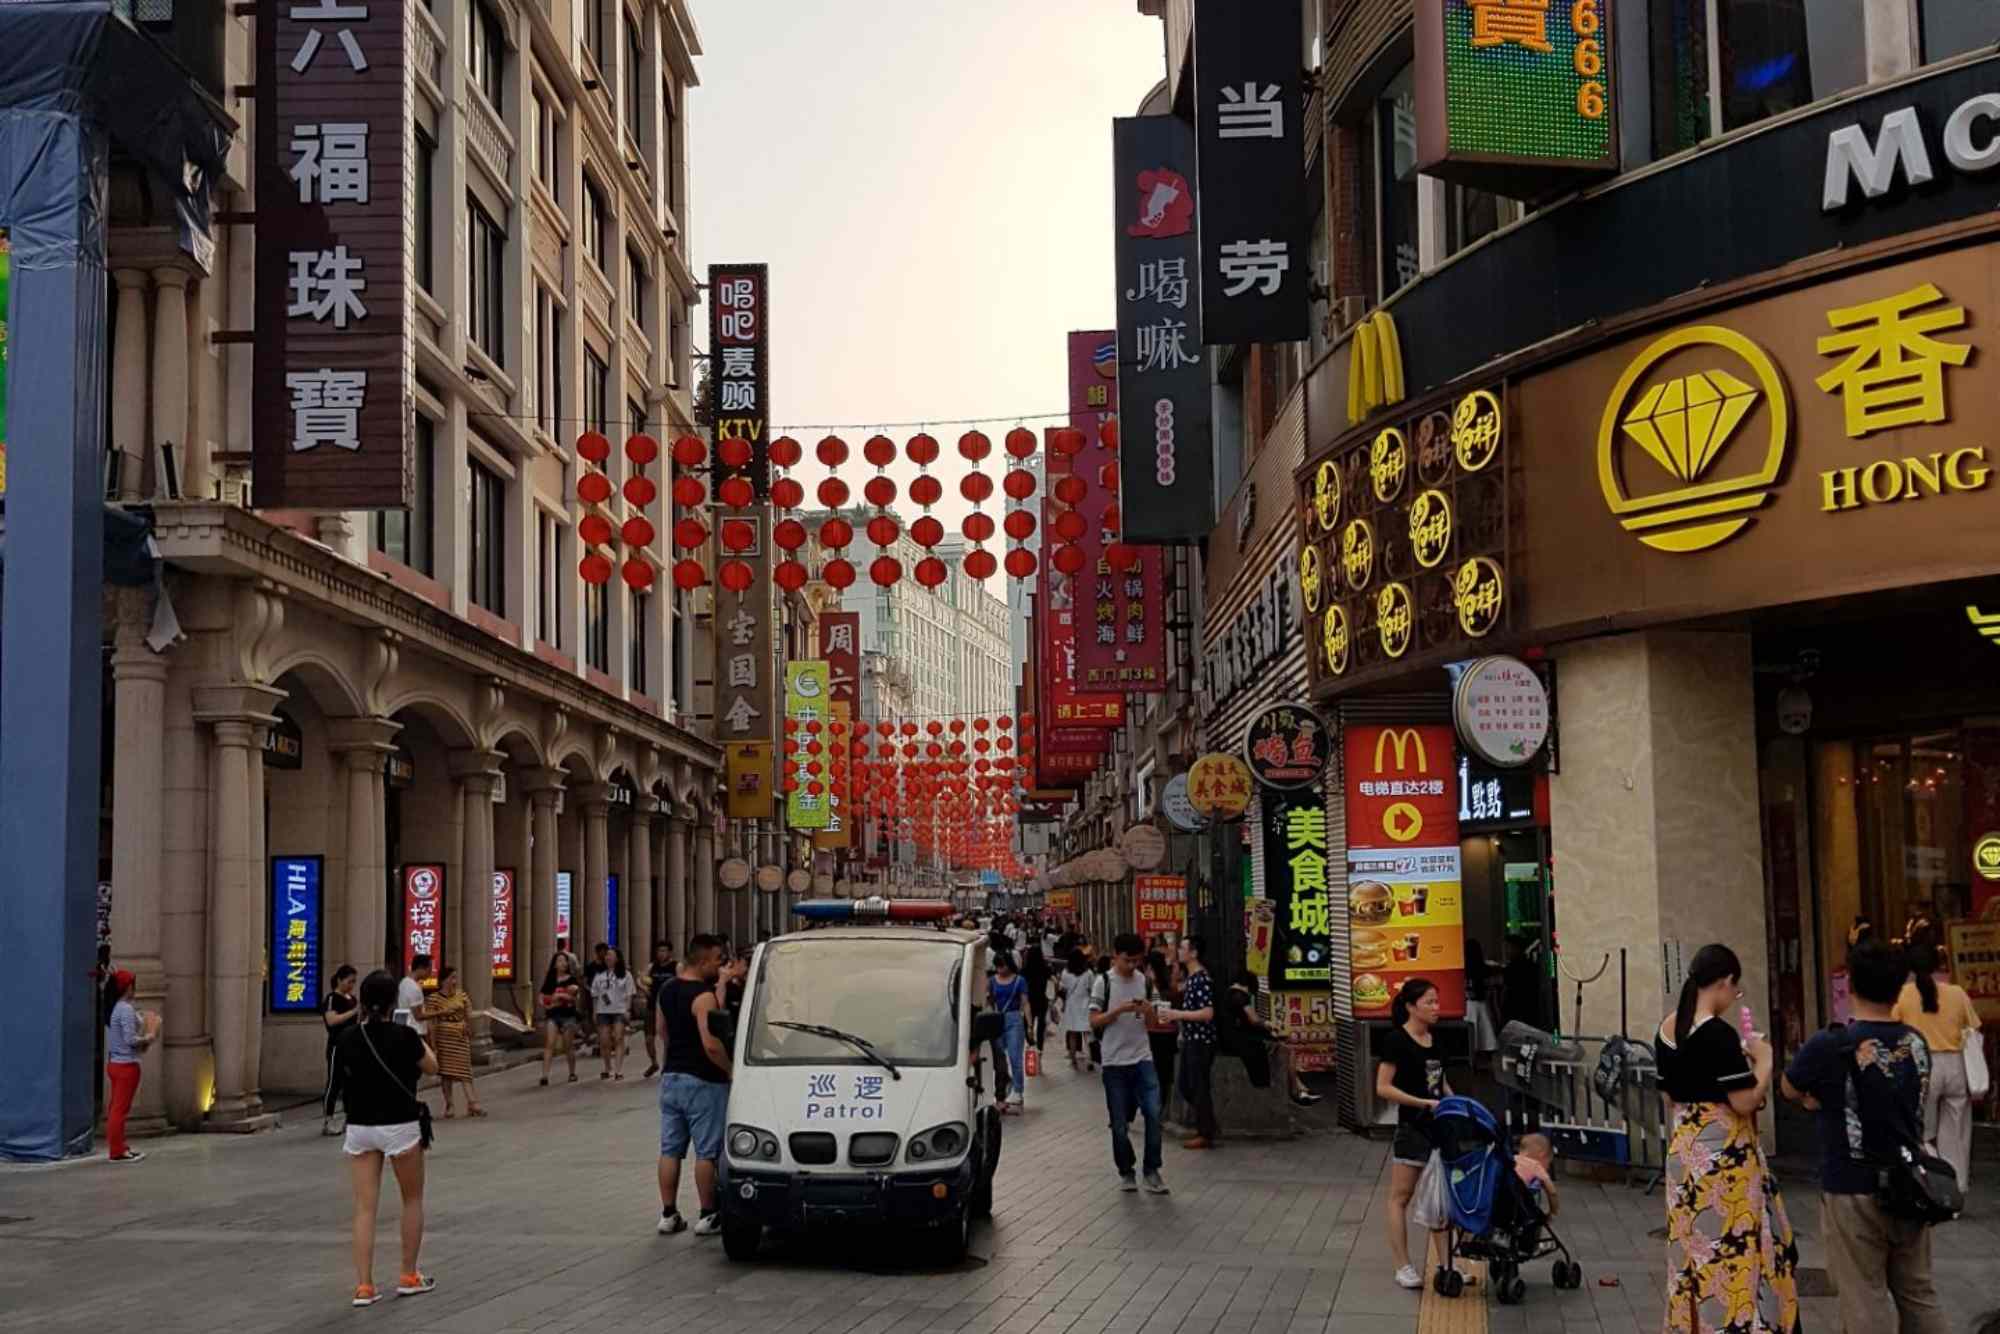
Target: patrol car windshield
(894,994)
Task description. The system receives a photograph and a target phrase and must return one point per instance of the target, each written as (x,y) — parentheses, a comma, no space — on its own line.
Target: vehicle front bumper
(793,1201)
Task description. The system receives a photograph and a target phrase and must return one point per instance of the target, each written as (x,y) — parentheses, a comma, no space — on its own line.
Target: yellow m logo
(1374,367)
(1402,738)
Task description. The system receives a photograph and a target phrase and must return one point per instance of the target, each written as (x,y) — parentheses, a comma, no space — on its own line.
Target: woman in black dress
(1409,1073)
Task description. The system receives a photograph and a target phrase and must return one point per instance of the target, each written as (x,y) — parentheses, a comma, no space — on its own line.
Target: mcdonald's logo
(1402,738)
(1374,367)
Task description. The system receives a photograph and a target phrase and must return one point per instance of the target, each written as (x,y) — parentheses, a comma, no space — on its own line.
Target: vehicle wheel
(1512,1291)
(993,1124)
(1454,1283)
(1440,1280)
(952,1238)
(1569,1274)
(740,1240)
(979,1203)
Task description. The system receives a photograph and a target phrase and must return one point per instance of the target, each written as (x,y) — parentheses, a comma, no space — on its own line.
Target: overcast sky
(930,183)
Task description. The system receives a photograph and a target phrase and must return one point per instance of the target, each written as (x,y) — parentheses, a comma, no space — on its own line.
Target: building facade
(382,731)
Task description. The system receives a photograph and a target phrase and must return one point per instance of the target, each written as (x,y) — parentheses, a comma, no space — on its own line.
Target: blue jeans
(1130,1089)
(1016,1041)
(692,1113)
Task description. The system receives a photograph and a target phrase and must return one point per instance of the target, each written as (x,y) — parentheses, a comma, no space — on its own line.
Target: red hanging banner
(1121,641)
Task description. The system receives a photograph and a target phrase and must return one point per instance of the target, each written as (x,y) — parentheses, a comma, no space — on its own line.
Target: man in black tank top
(694,1090)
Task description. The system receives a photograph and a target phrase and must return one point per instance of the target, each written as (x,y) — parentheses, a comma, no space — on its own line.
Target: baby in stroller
(1499,1204)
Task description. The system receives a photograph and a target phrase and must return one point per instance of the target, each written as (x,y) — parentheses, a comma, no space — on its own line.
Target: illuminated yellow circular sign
(1986,857)
(1678,427)
(1475,430)
(1309,577)
(1395,618)
(1478,591)
(1333,639)
(1430,528)
(1357,553)
(1388,464)
(1326,495)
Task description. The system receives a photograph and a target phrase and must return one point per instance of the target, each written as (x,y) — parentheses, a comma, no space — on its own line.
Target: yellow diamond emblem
(1684,423)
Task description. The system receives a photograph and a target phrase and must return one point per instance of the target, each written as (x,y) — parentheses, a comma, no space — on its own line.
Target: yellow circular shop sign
(1219,785)
(1357,553)
(1679,427)
(1430,528)
(1986,857)
(1478,591)
(1326,495)
(1395,618)
(1309,577)
(1333,639)
(1475,430)
(1388,464)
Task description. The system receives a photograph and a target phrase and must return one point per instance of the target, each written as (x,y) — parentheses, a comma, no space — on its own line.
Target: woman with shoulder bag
(1944,1014)
(378,1065)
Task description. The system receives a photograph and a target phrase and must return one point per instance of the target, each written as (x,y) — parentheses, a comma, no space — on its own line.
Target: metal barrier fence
(1549,1090)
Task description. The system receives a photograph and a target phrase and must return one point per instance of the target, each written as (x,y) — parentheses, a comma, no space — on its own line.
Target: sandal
(449,1114)
(475,1111)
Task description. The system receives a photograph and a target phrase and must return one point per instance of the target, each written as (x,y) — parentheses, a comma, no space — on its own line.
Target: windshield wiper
(860,1044)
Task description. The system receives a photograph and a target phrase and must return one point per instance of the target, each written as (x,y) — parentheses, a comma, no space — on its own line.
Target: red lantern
(1019,525)
(977,527)
(883,531)
(595,568)
(1067,440)
(688,575)
(594,530)
(733,453)
(789,535)
(931,572)
(975,487)
(1069,558)
(689,533)
(927,532)
(1021,442)
(640,490)
(1122,556)
(831,451)
(1070,489)
(922,449)
(1113,518)
(789,575)
(738,535)
(641,449)
(838,573)
(593,488)
(689,492)
(638,531)
(735,492)
(1020,563)
(980,564)
(638,574)
(1107,434)
(926,490)
(785,452)
(1068,527)
(974,446)
(885,570)
(689,451)
(880,451)
(836,533)
(787,494)
(880,491)
(1019,484)
(593,446)
(736,576)
(832,493)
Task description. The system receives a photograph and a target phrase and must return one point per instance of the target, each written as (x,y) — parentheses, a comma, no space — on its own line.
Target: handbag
(1978,1079)
(424,1133)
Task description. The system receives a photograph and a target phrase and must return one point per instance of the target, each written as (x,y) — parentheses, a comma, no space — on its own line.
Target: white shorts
(391,1141)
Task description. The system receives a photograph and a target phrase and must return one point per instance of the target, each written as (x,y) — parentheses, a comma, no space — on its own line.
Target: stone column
(1655,818)
(639,867)
(705,918)
(184,873)
(679,831)
(129,393)
(593,915)
(170,361)
(238,717)
(365,745)
(537,918)
(138,771)
(477,772)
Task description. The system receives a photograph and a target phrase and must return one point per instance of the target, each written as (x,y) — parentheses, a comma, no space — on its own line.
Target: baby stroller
(1495,1217)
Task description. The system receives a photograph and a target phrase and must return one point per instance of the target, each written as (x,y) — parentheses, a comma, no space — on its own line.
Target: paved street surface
(541,1219)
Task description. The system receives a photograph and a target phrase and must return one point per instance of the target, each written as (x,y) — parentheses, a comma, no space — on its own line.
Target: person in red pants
(126,1035)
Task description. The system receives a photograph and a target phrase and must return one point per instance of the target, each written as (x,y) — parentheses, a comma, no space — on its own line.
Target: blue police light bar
(873,910)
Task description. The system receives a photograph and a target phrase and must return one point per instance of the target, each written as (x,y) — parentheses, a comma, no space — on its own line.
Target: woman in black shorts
(1411,1075)
(561,989)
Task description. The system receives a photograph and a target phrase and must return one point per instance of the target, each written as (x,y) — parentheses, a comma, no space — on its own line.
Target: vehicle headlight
(753,1145)
(939,1143)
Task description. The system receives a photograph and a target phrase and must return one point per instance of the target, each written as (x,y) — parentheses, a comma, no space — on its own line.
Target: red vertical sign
(1121,639)
(1405,900)
(840,646)
(423,913)
(503,926)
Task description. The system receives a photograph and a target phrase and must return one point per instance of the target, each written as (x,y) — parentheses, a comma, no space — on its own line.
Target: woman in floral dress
(1731,1260)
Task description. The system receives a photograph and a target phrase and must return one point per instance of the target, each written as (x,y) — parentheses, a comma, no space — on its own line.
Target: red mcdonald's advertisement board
(1405,901)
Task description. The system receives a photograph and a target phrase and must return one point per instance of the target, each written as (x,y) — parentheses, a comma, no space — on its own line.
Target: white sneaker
(1408,1277)
(1154,1185)
(708,1225)
(1128,1182)
(671,1223)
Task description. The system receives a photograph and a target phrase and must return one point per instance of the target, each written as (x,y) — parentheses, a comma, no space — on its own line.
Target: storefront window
(1953,27)
(1771,56)
(1764,62)
(1472,214)
(1396,174)
(1914,854)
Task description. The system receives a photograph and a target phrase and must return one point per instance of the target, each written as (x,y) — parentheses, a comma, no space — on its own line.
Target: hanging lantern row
(595,531)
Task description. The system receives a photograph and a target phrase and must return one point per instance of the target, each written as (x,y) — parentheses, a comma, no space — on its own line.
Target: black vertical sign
(738,304)
(1166,456)
(1256,262)
(1295,880)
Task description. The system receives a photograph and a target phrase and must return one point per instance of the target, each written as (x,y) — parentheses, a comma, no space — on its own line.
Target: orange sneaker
(414,1285)
(1197,1142)
(365,1295)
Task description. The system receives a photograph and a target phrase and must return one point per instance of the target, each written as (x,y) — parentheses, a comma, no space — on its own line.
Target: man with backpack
(1120,999)
(1867,1081)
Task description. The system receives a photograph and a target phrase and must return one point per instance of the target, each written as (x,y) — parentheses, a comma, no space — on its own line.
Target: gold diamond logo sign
(1664,444)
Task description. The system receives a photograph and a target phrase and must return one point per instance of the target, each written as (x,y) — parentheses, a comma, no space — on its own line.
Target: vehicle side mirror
(722,1026)
(988,1026)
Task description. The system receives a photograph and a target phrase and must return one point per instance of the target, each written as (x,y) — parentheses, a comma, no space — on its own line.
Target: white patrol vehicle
(859,1092)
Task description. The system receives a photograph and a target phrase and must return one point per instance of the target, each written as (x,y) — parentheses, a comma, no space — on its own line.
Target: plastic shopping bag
(1978,1081)
(1429,1208)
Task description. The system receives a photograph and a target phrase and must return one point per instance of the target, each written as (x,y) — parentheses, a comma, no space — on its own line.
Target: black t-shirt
(685,1053)
(1888,1092)
(375,1096)
(1419,1071)
(335,1003)
(1707,1066)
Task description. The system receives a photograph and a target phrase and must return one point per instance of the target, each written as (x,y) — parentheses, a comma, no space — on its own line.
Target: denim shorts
(692,1112)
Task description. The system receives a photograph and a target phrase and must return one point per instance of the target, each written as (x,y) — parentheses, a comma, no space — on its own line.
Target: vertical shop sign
(747,769)
(611,910)
(739,339)
(806,792)
(1520,83)
(1295,880)
(1161,902)
(1404,897)
(1305,1022)
(1166,458)
(334,228)
(565,882)
(503,926)
(836,833)
(1121,639)
(295,933)
(840,646)
(1067,712)
(1250,122)
(423,913)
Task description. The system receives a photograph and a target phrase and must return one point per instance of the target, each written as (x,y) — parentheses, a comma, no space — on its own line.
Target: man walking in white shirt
(1118,1003)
